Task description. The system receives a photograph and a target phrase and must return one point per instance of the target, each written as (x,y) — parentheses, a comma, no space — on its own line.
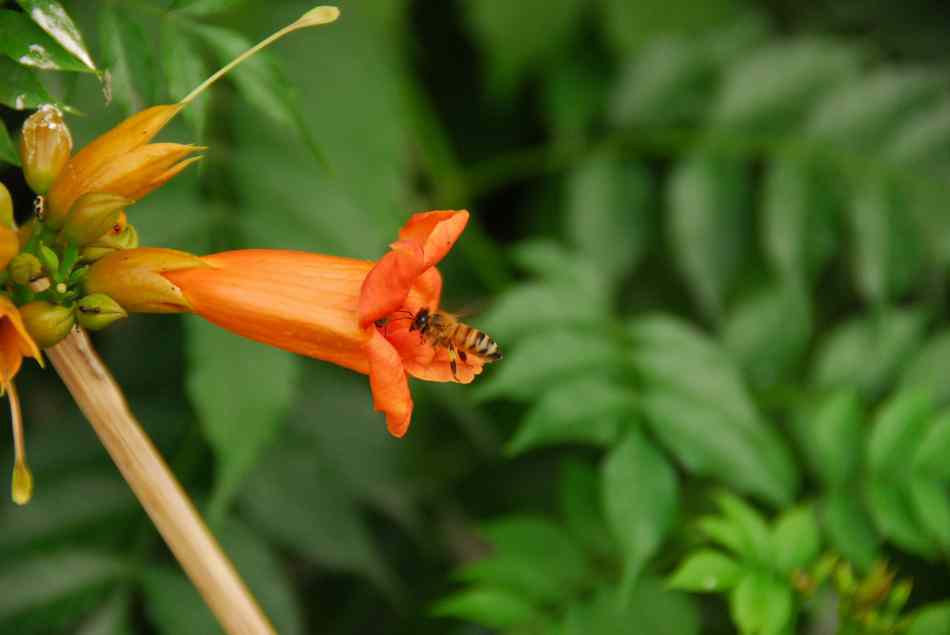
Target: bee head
(421,321)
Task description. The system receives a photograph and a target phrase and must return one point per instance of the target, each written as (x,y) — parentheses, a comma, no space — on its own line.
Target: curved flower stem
(101,400)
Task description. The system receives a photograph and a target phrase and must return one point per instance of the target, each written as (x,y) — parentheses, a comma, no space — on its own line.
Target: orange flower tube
(331,308)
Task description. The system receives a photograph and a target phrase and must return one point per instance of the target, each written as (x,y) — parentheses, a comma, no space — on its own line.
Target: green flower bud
(47,323)
(98,311)
(44,147)
(92,216)
(128,238)
(6,207)
(24,268)
(49,259)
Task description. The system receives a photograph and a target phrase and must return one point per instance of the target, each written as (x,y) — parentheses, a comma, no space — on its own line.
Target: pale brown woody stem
(177,520)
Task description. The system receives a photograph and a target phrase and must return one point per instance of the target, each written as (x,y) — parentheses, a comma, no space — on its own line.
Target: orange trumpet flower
(121,162)
(331,308)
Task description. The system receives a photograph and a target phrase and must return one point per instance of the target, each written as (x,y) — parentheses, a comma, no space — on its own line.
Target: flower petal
(130,134)
(435,232)
(388,381)
(388,283)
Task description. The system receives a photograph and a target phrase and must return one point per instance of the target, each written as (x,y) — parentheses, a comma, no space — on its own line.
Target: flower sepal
(110,242)
(97,311)
(47,323)
(133,278)
(92,216)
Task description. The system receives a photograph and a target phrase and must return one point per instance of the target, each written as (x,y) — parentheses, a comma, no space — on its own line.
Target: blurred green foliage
(712,240)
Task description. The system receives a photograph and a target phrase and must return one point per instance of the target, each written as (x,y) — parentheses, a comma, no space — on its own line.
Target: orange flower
(15,342)
(121,162)
(326,307)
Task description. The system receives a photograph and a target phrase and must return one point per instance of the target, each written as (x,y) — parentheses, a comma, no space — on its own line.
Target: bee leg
(452,363)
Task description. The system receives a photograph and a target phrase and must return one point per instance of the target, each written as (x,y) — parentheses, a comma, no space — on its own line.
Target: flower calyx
(133,278)
(97,311)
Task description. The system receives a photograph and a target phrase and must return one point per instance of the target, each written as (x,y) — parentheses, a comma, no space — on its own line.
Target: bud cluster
(45,262)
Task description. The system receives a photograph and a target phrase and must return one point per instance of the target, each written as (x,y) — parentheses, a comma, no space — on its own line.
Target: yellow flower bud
(44,147)
(127,238)
(24,268)
(92,216)
(6,207)
(47,323)
(98,311)
(9,246)
(134,279)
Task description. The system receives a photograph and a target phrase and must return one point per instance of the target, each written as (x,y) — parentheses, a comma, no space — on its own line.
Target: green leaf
(43,581)
(754,539)
(796,539)
(26,43)
(491,608)
(934,448)
(710,443)
(927,369)
(521,37)
(580,504)
(242,391)
(709,218)
(610,213)
(890,507)
(8,151)
(768,333)
(173,605)
(322,523)
(204,7)
(888,247)
(861,115)
(574,95)
(582,411)
(831,435)
(628,25)
(706,571)
(264,574)
(544,358)
(931,506)
(867,352)
(52,18)
(921,141)
(532,307)
(184,69)
(723,533)
(850,529)
(640,494)
(521,561)
(651,609)
(699,407)
(931,620)
(898,428)
(126,52)
(666,83)
(770,90)
(64,507)
(555,264)
(20,88)
(112,618)
(761,605)
(669,353)
(799,217)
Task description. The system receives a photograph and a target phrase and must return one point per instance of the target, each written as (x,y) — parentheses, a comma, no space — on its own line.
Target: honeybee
(444,330)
